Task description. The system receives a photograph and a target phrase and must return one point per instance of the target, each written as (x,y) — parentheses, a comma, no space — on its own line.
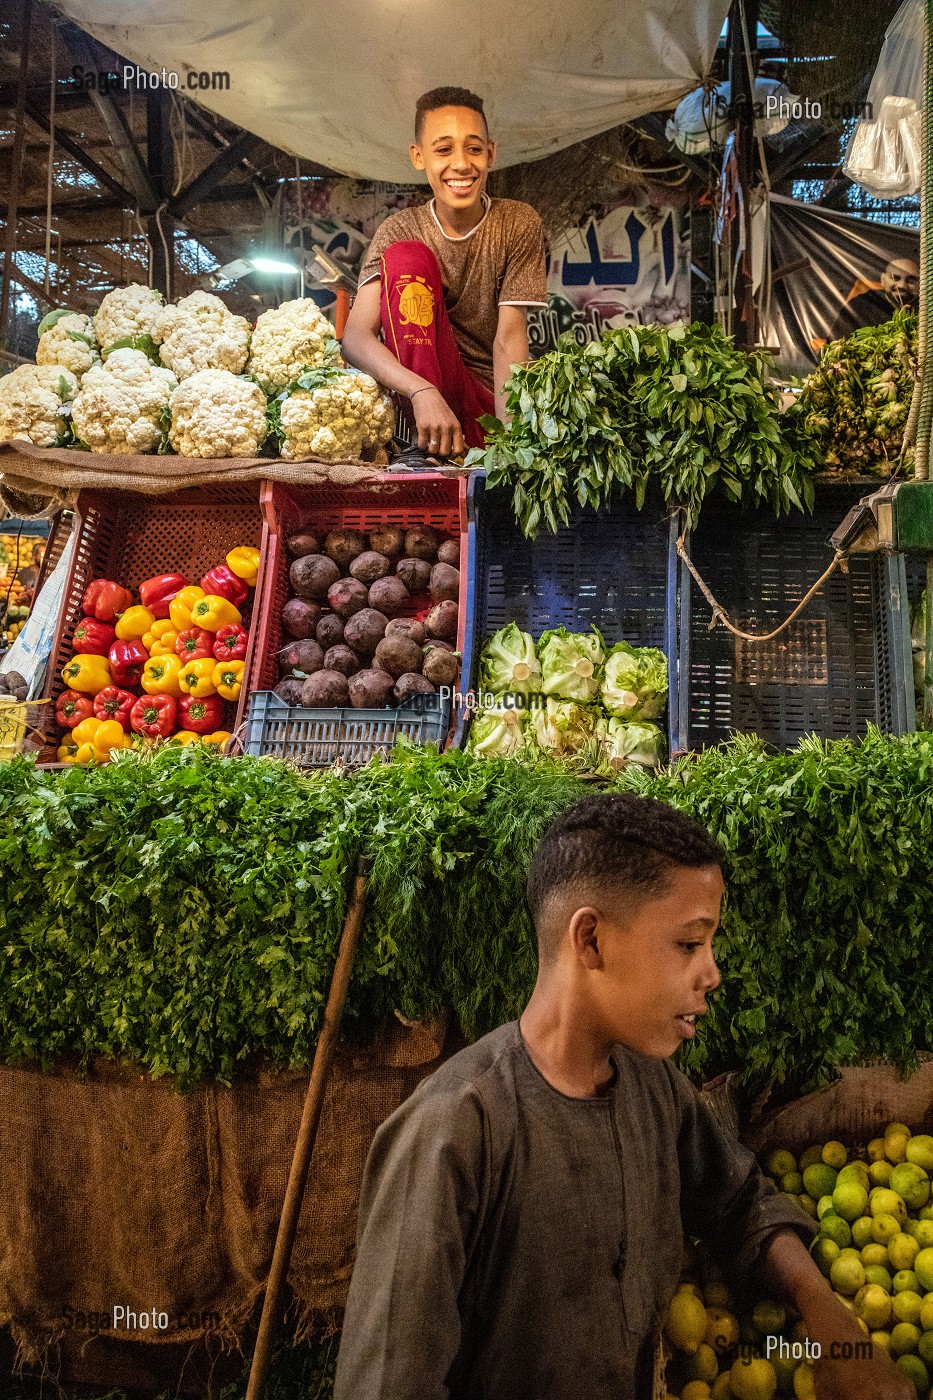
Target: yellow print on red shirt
(415,301)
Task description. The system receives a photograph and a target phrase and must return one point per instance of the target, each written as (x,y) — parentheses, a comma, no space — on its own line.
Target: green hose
(921,414)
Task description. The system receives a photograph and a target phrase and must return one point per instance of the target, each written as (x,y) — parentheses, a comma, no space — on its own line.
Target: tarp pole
(741,67)
(19,143)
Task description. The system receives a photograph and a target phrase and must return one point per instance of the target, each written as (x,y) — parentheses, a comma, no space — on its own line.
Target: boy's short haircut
(632,843)
(446,97)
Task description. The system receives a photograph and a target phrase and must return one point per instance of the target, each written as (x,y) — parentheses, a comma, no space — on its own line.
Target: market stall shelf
(607,569)
(130,537)
(842,665)
(316,737)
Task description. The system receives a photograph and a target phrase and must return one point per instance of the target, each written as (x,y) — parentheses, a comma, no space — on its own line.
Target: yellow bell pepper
(157,631)
(244,562)
(133,625)
(165,645)
(86,754)
(179,609)
(89,674)
(213,612)
(86,731)
(110,735)
(195,677)
(67,749)
(227,677)
(161,675)
(219,737)
(185,737)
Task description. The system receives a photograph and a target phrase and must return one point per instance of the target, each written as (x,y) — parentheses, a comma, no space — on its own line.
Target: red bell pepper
(105,600)
(201,715)
(114,703)
(72,708)
(194,644)
(157,593)
(153,716)
(223,582)
(93,638)
(127,660)
(230,642)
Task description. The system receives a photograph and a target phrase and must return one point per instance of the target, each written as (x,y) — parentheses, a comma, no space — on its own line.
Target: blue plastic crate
(842,665)
(321,737)
(615,570)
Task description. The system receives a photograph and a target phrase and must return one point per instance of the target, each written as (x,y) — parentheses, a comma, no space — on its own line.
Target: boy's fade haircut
(618,839)
(446,97)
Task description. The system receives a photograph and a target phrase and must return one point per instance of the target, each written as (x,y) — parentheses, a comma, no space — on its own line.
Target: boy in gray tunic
(522,1216)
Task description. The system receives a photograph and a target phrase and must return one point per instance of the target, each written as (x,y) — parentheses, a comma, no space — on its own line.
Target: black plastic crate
(615,570)
(842,665)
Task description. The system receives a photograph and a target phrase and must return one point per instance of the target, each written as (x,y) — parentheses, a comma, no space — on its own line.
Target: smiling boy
(522,1215)
(440,313)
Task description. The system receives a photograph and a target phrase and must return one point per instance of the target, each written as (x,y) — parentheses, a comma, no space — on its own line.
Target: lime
(899,1128)
(792,1183)
(861,1232)
(824,1204)
(686,1322)
(875,1254)
(854,1171)
(808,1205)
(720,1390)
(876,1149)
(926,1213)
(819,1180)
(873,1305)
(911,1182)
(905,1281)
(923,1233)
(811,1156)
(875,1273)
(881,1201)
(784,1368)
(835,1228)
(722,1329)
(850,1199)
(895,1147)
(920,1151)
(693,1288)
(804,1388)
(825,1252)
(879,1173)
(917,1372)
(834,1154)
(884,1228)
(902,1251)
(926,1314)
(923,1268)
(780,1162)
(718,1296)
(753,1380)
(702,1365)
(770,1318)
(846,1274)
(907,1306)
(882,1339)
(925,1348)
(696,1390)
(905,1337)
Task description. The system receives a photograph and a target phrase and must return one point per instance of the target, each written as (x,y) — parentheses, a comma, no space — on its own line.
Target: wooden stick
(307,1134)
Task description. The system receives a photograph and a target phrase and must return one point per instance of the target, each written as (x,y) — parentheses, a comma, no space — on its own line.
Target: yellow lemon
(769,1318)
(819,1180)
(911,1182)
(905,1281)
(907,1306)
(876,1149)
(879,1173)
(804,1387)
(825,1252)
(702,1365)
(900,1129)
(873,1305)
(721,1389)
(846,1274)
(722,1329)
(686,1322)
(861,1232)
(834,1154)
(808,1204)
(784,1368)
(882,1201)
(753,1380)
(923,1268)
(780,1162)
(902,1251)
(874,1273)
(923,1233)
(835,1228)
(811,1156)
(920,1151)
(875,1254)
(905,1337)
(882,1339)
(823,1206)
(916,1370)
(895,1147)
(850,1199)
(884,1228)
(925,1348)
(696,1390)
(693,1288)
(926,1314)
(792,1183)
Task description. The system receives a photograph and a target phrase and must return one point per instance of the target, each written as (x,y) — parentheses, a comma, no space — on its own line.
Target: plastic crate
(319,737)
(842,665)
(611,569)
(129,537)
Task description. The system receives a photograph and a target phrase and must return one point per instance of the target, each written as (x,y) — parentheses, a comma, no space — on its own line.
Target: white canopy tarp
(336,82)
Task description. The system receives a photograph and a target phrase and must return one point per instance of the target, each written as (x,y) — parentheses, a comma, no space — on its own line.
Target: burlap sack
(117,1191)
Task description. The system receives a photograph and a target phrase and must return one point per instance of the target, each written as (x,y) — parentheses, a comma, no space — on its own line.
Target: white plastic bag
(30,652)
(702,122)
(884,153)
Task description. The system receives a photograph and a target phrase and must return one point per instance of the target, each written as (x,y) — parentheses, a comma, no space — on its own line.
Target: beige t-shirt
(498,263)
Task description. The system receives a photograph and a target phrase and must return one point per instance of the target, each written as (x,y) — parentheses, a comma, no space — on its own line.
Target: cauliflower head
(132,310)
(35,401)
(122,404)
(338,419)
(217,414)
(199,333)
(288,339)
(69,341)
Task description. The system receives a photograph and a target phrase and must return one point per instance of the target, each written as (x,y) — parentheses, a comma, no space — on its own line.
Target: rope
(720,615)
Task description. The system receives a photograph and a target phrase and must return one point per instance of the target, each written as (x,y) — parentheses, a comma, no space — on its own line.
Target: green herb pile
(677,405)
(182,911)
(855,403)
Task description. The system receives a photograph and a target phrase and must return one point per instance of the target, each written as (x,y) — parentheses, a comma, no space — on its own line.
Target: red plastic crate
(404,500)
(129,537)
